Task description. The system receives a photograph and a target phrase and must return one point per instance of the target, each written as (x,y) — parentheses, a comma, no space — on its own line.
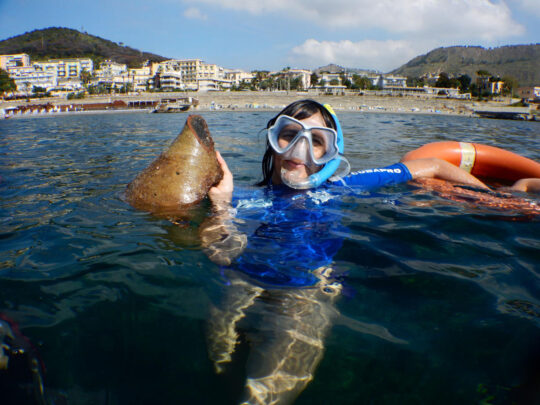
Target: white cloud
(368,54)
(194,13)
(483,20)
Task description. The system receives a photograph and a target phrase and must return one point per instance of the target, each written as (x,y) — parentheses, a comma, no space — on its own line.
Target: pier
(507,113)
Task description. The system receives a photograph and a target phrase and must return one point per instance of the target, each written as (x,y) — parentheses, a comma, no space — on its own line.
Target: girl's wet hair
(300,110)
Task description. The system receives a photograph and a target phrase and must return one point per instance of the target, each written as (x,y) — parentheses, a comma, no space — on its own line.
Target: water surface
(116,301)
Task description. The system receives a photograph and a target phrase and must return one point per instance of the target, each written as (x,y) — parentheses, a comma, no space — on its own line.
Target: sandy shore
(249,101)
(368,103)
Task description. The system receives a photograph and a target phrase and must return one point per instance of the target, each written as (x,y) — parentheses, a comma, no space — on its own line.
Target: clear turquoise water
(116,301)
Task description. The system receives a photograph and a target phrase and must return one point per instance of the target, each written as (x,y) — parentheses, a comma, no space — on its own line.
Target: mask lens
(285,128)
(324,141)
(285,133)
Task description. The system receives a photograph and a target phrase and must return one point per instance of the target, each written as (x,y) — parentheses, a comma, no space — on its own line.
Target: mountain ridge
(59,43)
(522,62)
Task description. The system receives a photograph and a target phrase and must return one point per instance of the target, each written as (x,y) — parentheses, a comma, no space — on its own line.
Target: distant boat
(174,105)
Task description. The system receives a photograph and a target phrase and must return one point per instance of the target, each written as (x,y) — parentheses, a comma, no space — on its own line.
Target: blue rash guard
(291,232)
(373,178)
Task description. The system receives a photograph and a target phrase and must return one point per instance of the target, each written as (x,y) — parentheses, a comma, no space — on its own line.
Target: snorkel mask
(314,146)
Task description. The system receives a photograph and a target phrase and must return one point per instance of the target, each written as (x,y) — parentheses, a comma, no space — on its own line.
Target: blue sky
(272,34)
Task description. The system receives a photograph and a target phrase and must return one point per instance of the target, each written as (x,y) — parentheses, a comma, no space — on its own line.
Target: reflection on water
(118,303)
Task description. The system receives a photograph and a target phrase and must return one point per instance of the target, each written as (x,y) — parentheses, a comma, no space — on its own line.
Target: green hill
(53,43)
(521,62)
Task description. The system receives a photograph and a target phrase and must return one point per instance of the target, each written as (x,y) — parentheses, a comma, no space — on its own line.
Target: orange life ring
(479,160)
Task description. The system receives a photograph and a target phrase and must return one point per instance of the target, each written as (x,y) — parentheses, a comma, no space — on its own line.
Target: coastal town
(78,84)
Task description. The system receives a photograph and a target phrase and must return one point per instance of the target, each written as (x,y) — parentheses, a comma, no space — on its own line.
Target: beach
(348,102)
(250,100)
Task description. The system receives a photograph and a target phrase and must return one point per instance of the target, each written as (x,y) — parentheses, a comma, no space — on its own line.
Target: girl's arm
(527,185)
(220,238)
(441,169)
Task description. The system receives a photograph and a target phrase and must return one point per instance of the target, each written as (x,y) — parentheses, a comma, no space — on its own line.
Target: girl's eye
(287,135)
(318,141)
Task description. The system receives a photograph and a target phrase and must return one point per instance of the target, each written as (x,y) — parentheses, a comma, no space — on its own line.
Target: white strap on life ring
(468,156)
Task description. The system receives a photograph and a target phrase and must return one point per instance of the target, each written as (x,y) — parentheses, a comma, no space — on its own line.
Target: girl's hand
(222,192)
(527,185)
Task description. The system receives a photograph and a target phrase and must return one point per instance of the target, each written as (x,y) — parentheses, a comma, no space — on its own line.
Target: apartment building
(302,74)
(50,75)
(190,74)
(109,69)
(66,69)
(140,77)
(70,68)
(237,77)
(15,60)
(117,75)
(385,81)
(28,77)
(171,79)
(330,77)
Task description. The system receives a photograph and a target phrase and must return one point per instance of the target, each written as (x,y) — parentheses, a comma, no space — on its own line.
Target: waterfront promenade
(368,102)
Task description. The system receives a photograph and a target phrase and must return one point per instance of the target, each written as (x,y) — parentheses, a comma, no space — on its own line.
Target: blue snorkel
(330,168)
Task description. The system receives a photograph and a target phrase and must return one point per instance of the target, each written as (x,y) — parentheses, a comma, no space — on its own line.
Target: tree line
(480,88)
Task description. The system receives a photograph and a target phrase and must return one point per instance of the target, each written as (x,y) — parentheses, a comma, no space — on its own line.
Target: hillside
(51,43)
(519,61)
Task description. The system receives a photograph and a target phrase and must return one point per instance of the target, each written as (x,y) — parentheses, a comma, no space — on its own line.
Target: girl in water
(304,150)
(283,273)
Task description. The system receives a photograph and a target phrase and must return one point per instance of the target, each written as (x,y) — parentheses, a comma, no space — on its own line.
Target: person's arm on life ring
(441,169)
(527,185)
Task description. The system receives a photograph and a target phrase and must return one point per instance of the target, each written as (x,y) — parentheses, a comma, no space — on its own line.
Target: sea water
(116,301)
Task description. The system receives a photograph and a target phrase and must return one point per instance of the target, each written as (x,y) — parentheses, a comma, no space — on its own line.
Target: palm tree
(86,76)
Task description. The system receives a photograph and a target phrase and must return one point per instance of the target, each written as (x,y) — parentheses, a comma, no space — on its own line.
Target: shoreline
(199,110)
(270,101)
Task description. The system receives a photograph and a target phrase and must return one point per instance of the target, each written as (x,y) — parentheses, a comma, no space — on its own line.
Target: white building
(384,81)
(194,74)
(68,71)
(140,77)
(108,69)
(172,80)
(303,75)
(61,74)
(69,68)
(50,75)
(28,77)
(111,74)
(15,60)
(237,77)
(394,81)
(326,78)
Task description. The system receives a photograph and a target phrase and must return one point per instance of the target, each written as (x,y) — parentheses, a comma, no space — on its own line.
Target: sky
(273,34)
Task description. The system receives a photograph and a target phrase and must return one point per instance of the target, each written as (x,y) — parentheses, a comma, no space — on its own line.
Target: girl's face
(297,166)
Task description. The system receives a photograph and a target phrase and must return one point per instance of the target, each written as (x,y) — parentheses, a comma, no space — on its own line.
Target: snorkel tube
(329,169)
